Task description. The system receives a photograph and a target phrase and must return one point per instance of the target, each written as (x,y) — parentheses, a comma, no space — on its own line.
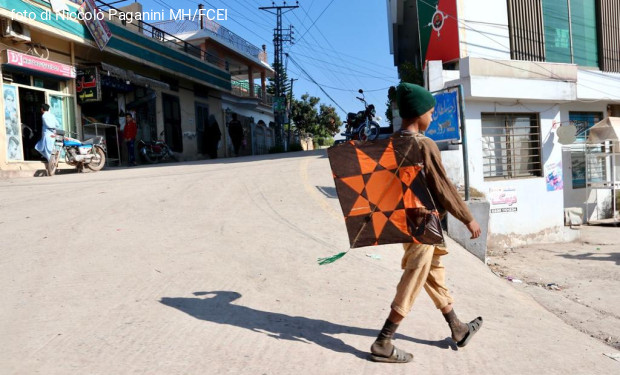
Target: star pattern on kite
(378,184)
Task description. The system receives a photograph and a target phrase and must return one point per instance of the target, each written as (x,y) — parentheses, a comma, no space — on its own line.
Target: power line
(313,23)
(316,83)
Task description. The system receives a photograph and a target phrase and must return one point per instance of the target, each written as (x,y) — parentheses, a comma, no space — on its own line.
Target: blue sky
(342,44)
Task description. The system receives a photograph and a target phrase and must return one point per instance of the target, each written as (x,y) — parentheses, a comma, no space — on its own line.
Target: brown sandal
(398,356)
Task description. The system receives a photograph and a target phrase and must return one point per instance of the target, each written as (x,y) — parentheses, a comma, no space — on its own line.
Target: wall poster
(12,123)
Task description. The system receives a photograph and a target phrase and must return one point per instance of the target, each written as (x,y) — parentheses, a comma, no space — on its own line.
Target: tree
(329,121)
(284,82)
(407,72)
(323,122)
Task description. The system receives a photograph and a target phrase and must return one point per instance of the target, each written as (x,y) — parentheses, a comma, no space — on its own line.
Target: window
(610,35)
(570,31)
(583,121)
(526,31)
(511,145)
(565,31)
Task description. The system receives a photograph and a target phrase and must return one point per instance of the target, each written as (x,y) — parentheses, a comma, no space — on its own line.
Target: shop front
(105,93)
(27,83)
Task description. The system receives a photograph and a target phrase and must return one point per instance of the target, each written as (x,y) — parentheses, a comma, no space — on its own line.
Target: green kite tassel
(331,259)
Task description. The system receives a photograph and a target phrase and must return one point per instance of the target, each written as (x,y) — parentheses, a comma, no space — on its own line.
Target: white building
(527,68)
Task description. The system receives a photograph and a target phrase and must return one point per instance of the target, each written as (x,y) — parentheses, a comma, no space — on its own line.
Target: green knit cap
(413,100)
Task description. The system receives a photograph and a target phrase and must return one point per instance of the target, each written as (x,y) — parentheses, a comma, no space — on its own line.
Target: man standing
(130,132)
(421,262)
(45,146)
(235,130)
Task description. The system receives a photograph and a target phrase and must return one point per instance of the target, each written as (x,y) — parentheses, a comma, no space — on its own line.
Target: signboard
(439,30)
(445,124)
(503,199)
(279,104)
(22,60)
(95,22)
(88,85)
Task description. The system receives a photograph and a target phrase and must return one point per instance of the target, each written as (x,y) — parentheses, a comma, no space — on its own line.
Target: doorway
(202,116)
(32,124)
(172,122)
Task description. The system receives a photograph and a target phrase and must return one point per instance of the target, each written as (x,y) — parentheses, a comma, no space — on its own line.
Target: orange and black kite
(380,184)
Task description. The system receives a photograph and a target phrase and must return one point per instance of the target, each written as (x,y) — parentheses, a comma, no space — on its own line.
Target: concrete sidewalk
(210,268)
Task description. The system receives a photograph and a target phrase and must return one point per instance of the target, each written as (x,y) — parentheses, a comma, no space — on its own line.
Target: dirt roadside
(577,281)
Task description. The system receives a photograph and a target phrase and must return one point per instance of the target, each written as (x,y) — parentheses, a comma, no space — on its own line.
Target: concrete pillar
(251,80)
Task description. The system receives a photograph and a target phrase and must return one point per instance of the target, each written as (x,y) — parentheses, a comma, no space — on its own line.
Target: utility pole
(279,37)
(290,106)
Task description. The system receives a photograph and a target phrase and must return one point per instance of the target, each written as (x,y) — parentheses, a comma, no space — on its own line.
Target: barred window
(511,145)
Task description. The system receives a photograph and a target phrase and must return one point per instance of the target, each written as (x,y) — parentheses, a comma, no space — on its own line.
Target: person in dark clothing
(235,130)
(213,136)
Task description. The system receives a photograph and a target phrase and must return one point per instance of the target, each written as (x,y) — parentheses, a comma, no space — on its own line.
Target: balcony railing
(242,88)
(161,35)
(214,28)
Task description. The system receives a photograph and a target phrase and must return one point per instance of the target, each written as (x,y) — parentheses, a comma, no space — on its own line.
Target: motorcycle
(154,151)
(361,125)
(90,153)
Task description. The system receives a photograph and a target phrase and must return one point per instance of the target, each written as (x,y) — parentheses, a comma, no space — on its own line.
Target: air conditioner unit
(15,30)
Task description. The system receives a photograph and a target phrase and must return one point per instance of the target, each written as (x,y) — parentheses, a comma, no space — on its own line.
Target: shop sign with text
(88,85)
(24,61)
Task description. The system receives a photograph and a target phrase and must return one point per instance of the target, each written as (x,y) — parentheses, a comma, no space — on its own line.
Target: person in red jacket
(130,132)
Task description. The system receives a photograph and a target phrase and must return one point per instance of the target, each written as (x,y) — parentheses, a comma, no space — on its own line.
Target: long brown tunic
(443,191)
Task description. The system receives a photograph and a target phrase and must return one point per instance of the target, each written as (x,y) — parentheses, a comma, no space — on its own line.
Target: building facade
(92,72)
(528,68)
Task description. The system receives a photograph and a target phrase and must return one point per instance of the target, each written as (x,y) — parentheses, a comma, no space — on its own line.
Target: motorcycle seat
(88,141)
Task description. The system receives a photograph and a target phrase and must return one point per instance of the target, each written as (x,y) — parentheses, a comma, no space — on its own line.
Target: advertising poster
(88,85)
(503,199)
(553,176)
(445,125)
(11,122)
(439,31)
(578,169)
(96,24)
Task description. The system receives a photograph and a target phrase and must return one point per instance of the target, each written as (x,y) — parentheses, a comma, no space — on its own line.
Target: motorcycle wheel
(52,164)
(98,161)
(369,132)
(149,159)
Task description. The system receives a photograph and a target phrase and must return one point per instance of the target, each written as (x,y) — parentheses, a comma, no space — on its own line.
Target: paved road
(210,268)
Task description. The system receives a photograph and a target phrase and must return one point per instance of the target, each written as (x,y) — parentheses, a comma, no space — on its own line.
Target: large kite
(382,191)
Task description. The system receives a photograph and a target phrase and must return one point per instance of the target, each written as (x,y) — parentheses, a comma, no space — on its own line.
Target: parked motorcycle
(361,125)
(154,151)
(90,153)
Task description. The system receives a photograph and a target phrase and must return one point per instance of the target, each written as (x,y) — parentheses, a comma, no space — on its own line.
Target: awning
(606,130)
(129,75)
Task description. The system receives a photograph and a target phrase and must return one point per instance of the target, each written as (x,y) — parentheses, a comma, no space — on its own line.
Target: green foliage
(285,83)
(407,73)
(323,122)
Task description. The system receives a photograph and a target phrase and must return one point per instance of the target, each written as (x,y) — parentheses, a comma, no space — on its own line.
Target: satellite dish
(567,134)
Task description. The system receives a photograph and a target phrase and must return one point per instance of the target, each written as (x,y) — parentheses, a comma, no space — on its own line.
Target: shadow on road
(217,308)
(610,257)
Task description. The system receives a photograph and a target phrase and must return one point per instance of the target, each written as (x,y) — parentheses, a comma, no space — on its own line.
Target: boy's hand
(474,229)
